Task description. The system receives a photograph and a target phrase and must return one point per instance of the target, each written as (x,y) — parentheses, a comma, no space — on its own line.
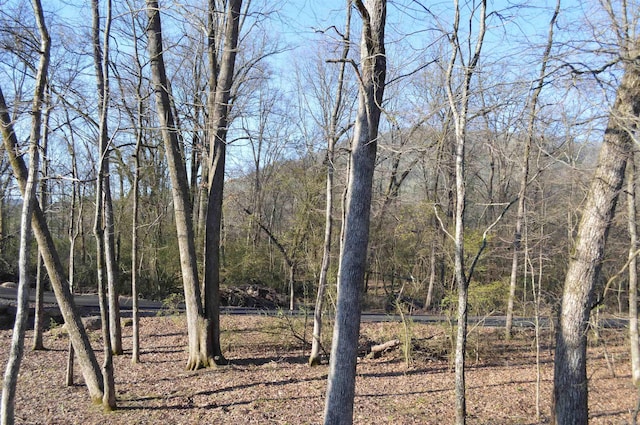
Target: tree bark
(219,107)
(459,103)
(634,339)
(10,381)
(570,372)
(101,61)
(38,320)
(353,253)
(199,356)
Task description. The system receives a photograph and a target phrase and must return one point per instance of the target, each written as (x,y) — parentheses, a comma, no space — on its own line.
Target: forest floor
(268,380)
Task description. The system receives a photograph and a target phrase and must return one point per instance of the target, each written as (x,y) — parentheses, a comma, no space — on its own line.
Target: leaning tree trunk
(10,381)
(332,139)
(570,375)
(353,252)
(199,356)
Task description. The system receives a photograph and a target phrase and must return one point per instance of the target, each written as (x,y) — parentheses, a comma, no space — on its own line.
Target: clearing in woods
(269,382)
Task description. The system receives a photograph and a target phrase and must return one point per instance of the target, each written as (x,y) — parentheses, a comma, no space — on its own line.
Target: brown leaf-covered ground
(269,382)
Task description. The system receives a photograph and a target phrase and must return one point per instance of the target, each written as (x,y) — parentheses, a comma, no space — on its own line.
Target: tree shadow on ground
(261,361)
(208,393)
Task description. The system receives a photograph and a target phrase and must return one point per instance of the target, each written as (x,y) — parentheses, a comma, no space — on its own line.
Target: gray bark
(196,321)
(570,373)
(219,107)
(459,103)
(353,253)
(38,321)
(101,60)
(10,381)
(634,339)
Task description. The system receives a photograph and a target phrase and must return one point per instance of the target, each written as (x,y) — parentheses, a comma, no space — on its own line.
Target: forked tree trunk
(353,252)
(570,375)
(219,108)
(199,356)
(332,139)
(10,381)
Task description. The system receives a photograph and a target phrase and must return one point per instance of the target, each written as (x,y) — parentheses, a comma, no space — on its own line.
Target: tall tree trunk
(570,374)
(634,339)
(135,356)
(524,178)
(459,104)
(332,139)
(199,356)
(101,60)
(38,321)
(111,263)
(353,252)
(74,230)
(219,107)
(10,382)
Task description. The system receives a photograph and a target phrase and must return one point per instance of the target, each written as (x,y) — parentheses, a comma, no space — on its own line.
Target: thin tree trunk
(332,139)
(634,340)
(75,224)
(135,356)
(115,327)
(199,356)
(38,321)
(101,60)
(524,178)
(459,103)
(570,374)
(353,252)
(432,277)
(10,382)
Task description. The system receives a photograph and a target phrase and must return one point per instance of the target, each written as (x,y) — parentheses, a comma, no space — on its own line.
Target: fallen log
(378,350)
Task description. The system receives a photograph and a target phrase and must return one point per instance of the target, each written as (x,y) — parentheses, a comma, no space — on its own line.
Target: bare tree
(220,84)
(524,177)
(459,102)
(333,136)
(570,372)
(197,325)
(353,252)
(634,339)
(10,381)
(101,59)
(75,220)
(38,320)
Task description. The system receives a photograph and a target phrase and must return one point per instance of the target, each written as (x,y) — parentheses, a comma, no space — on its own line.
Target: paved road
(89,303)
